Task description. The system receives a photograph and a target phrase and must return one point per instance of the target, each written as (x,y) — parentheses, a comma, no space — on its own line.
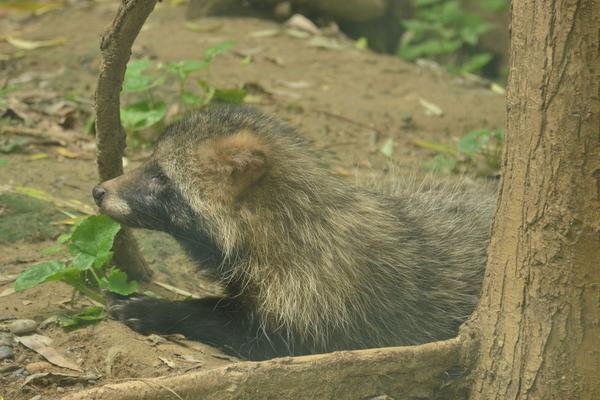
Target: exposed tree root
(415,372)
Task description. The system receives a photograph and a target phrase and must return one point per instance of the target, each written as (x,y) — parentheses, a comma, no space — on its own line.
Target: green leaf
(3,162)
(86,316)
(425,3)
(64,238)
(11,145)
(233,95)
(473,141)
(441,164)
(138,66)
(476,62)
(209,90)
(136,81)
(191,99)
(116,282)
(217,49)
(429,48)
(89,126)
(362,43)
(48,251)
(142,115)
(39,273)
(92,240)
(142,83)
(182,69)
(388,148)
(493,5)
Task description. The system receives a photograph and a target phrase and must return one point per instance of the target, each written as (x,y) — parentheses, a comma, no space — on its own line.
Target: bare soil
(349,102)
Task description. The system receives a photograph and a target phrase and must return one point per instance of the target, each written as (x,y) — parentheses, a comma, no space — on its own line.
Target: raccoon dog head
(202,169)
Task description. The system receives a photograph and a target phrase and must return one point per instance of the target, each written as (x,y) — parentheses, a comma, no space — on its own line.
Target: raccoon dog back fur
(309,263)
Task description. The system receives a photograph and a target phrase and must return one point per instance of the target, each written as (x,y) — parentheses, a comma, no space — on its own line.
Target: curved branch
(110,136)
(399,372)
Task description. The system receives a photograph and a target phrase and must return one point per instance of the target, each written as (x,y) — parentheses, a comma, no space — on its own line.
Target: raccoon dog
(308,262)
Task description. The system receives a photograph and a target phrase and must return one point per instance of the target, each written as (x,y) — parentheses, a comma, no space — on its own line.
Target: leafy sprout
(478,150)
(143,77)
(443,30)
(90,269)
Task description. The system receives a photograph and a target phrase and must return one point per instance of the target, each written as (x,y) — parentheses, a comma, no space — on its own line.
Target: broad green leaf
(142,115)
(86,316)
(141,83)
(136,81)
(116,282)
(39,273)
(3,162)
(138,66)
(83,261)
(233,95)
(92,240)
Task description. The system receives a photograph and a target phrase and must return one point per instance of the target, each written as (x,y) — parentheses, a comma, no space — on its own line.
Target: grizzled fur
(309,263)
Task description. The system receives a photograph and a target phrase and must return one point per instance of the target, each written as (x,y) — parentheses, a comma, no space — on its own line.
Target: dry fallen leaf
(202,26)
(430,108)
(295,84)
(265,33)
(41,345)
(327,43)
(24,44)
(8,291)
(35,7)
(67,153)
(302,23)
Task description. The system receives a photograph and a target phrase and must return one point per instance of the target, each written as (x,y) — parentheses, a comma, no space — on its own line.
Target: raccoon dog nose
(98,193)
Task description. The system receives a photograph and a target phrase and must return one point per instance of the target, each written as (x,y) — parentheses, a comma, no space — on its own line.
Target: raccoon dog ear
(243,158)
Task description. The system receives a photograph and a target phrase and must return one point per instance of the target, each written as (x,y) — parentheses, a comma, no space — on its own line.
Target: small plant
(89,271)
(149,111)
(145,113)
(478,150)
(443,30)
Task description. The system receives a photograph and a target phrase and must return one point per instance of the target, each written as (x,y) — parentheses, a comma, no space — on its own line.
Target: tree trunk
(539,316)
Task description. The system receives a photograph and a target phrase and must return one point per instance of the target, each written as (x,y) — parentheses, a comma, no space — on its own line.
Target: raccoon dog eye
(159,179)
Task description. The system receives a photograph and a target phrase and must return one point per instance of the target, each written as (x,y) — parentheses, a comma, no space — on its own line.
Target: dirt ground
(349,102)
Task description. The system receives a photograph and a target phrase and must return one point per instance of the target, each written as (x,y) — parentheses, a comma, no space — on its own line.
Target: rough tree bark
(539,316)
(110,136)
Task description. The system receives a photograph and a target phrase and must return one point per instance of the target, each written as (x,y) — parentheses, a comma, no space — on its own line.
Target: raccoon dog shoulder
(308,262)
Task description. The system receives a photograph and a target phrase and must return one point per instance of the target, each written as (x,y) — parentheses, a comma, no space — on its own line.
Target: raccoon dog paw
(140,313)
